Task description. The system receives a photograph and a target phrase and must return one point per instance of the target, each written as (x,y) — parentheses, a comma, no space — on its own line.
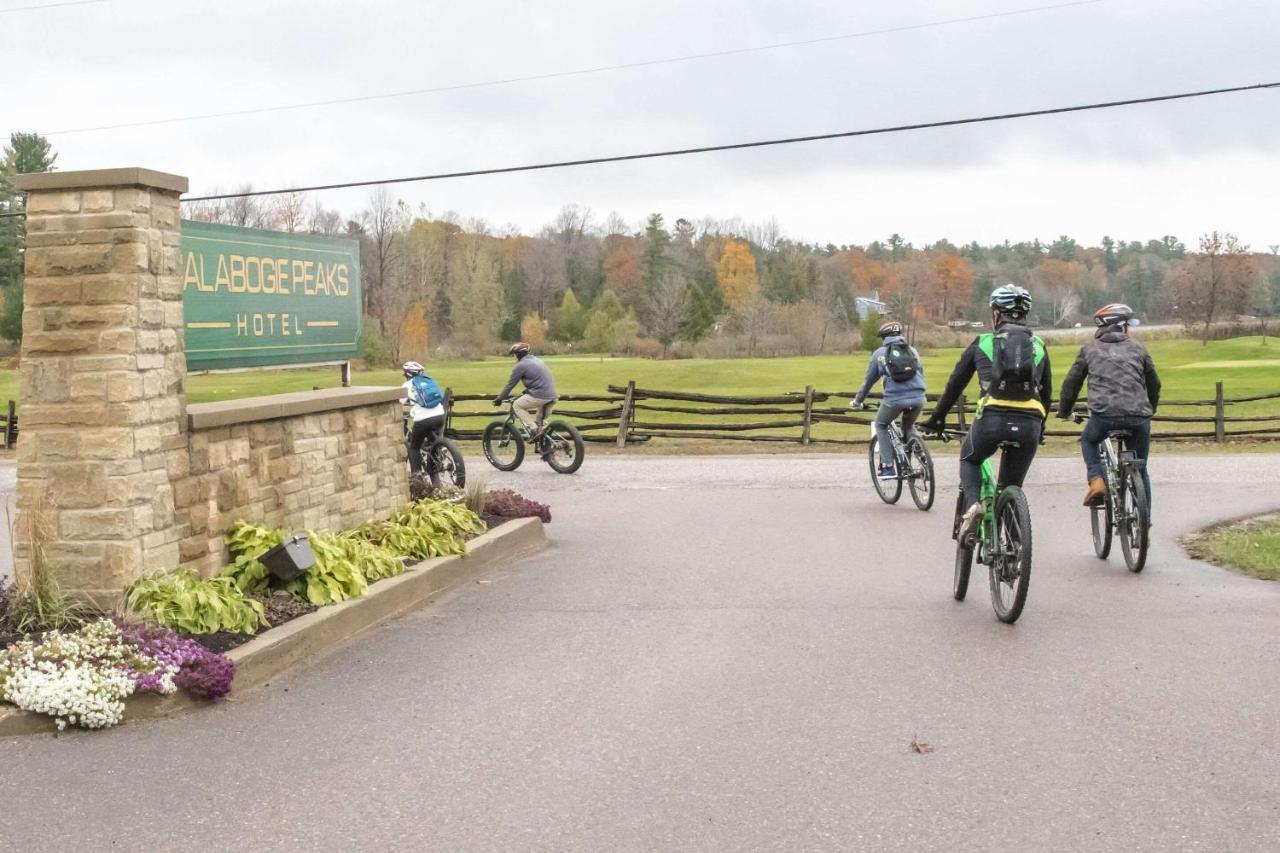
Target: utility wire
(705,149)
(555,75)
(50,6)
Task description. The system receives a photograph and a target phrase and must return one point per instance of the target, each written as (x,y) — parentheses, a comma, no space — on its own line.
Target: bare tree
(385,221)
(324,221)
(667,308)
(1219,280)
(289,211)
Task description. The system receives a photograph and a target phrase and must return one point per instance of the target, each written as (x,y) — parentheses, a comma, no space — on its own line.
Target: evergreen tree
(26,153)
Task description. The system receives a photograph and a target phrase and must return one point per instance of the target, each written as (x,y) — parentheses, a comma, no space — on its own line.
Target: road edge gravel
(309,638)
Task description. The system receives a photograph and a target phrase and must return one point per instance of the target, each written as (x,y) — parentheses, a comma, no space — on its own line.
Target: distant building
(867,305)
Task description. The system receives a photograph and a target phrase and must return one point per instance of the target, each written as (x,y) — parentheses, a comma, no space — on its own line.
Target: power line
(706,149)
(555,75)
(51,6)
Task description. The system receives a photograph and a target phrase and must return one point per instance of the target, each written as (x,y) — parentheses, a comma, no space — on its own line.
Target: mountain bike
(1124,509)
(560,444)
(441,457)
(913,464)
(1003,545)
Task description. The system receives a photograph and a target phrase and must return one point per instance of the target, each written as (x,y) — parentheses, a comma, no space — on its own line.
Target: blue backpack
(424,392)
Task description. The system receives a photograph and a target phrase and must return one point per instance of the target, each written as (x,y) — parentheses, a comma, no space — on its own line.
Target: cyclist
(539,397)
(899,365)
(1124,392)
(426,410)
(1013,374)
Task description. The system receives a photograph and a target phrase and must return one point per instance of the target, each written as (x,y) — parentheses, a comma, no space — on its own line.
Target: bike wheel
(566,447)
(1102,518)
(1135,523)
(888,490)
(960,579)
(445,464)
(921,482)
(503,446)
(1010,567)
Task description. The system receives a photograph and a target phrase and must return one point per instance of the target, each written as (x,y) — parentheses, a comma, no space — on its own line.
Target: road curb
(314,635)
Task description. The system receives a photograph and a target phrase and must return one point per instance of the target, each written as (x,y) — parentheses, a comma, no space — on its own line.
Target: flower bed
(178,624)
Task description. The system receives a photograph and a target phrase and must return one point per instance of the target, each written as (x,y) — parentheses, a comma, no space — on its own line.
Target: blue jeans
(909,409)
(1095,430)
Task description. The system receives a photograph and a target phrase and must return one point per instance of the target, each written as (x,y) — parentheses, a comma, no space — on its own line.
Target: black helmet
(1011,300)
(892,327)
(1115,314)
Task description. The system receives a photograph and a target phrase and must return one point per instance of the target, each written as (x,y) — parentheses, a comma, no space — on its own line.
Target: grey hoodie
(894,392)
(535,375)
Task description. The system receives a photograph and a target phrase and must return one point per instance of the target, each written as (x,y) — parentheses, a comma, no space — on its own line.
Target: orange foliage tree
(533,330)
(736,272)
(952,285)
(414,336)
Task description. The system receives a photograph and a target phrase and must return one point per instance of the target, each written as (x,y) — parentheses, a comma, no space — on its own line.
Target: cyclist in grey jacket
(539,397)
(1124,391)
(903,397)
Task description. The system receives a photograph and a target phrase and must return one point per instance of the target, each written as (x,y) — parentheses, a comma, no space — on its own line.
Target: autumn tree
(951,286)
(568,322)
(533,330)
(736,273)
(413,332)
(1218,281)
(1058,285)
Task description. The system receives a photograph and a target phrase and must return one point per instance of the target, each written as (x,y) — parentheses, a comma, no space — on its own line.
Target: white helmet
(411,369)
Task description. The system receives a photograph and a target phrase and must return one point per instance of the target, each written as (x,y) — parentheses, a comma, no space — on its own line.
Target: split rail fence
(627,414)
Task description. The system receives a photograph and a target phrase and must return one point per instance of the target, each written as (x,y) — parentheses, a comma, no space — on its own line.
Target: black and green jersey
(977,358)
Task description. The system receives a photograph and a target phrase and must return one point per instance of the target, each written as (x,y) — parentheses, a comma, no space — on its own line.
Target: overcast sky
(1133,173)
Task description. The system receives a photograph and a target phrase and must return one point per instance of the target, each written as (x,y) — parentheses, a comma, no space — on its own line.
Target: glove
(857,405)
(497,401)
(933,425)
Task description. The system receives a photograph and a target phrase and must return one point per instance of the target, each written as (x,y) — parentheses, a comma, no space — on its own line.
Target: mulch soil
(281,607)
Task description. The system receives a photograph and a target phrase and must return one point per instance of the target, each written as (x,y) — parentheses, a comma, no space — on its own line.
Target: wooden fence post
(624,419)
(808,415)
(448,409)
(1219,416)
(11,427)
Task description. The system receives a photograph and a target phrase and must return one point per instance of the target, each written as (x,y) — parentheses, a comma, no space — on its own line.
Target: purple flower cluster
(508,504)
(200,672)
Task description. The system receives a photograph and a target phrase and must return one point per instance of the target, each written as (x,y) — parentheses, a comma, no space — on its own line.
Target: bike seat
(1119,433)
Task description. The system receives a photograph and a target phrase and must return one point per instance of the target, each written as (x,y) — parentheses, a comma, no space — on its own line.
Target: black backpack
(900,362)
(1015,368)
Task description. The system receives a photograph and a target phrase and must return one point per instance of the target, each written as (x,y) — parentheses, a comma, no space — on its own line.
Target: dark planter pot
(290,559)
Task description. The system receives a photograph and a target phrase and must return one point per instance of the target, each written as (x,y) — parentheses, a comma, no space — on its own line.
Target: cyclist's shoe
(887,472)
(969,523)
(1097,493)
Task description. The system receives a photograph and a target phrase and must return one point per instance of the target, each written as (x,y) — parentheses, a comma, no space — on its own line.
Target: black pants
(422,430)
(1022,434)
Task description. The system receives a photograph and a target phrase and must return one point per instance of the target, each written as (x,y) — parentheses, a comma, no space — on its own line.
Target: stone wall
(102,375)
(117,476)
(326,460)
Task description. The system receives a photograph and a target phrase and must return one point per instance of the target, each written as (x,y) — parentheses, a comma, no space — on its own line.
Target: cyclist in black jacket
(1017,390)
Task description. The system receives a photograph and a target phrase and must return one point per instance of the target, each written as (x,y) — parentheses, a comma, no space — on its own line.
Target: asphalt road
(736,653)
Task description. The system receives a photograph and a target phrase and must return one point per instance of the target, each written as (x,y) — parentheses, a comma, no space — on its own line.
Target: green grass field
(1251,547)
(1189,370)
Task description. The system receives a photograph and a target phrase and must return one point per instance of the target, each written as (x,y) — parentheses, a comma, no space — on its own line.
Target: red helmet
(1115,314)
(518,349)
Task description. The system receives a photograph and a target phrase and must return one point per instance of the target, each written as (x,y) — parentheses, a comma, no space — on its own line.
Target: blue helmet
(1011,300)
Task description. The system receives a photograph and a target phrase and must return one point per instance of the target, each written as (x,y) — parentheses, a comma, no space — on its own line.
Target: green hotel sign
(254,298)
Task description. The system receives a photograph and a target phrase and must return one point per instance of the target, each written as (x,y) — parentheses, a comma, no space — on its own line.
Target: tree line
(443,284)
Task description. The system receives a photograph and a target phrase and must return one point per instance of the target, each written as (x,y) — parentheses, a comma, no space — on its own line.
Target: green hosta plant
(337,574)
(424,529)
(182,601)
(249,542)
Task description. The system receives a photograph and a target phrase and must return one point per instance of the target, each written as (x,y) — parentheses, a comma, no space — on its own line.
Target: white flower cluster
(80,678)
(73,694)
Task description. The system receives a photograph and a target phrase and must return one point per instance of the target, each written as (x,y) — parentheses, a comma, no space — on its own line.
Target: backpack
(1017,363)
(900,362)
(424,392)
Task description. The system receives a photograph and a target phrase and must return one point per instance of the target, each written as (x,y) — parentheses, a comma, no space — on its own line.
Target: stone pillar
(103,375)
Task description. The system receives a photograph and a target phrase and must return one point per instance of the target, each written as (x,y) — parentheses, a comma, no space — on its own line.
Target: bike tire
(1135,528)
(887,494)
(922,487)
(1013,531)
(447,467)
(960,578)
(498,437)
(1102,521)
(565,439)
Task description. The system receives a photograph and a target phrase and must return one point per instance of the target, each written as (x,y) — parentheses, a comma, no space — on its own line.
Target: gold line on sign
(321,324)
(208,325)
